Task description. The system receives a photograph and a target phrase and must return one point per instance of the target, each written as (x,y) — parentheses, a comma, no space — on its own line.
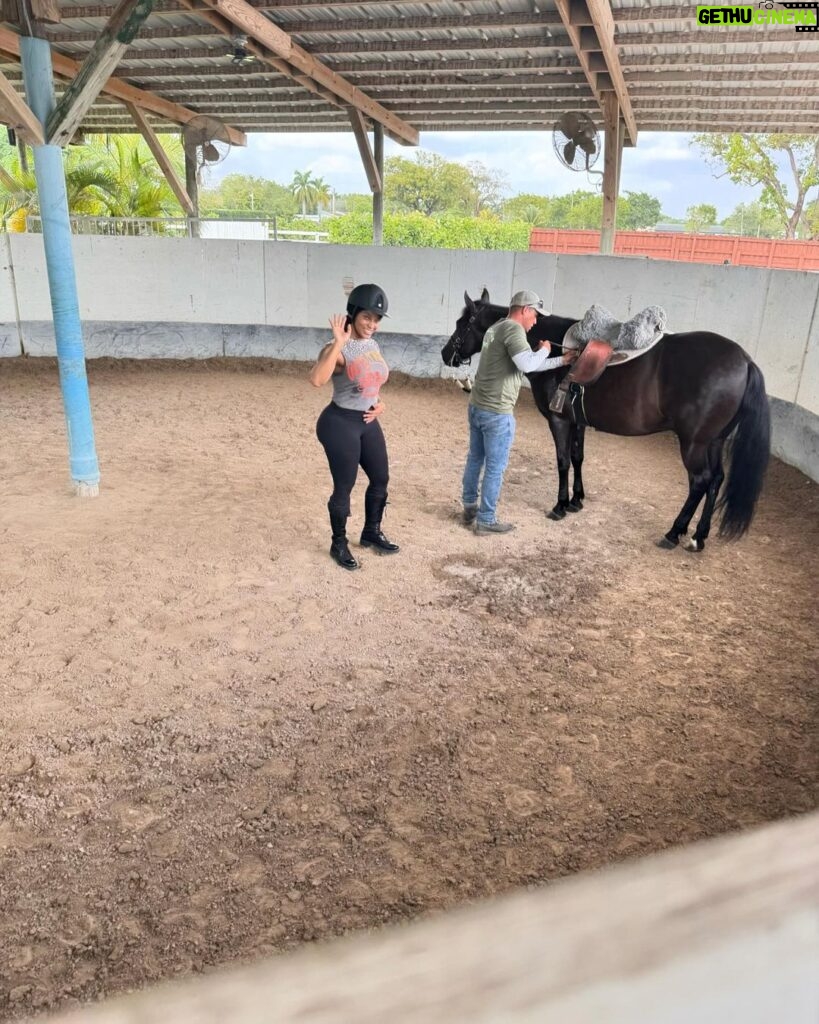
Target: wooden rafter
(360,132)
(603,24)
(161,157)
(16,113)
(105,54)
(429,23)
(225,28)
(595,31)
(67,68)
(171,6)
(257,26)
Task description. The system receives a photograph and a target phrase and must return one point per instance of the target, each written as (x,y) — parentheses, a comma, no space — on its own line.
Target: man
(505,357)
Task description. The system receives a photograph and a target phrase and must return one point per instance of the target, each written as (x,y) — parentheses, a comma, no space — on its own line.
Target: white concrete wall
(9,334)
(196,298)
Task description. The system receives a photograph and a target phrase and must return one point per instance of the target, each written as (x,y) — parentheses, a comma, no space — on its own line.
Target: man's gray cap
(526,298)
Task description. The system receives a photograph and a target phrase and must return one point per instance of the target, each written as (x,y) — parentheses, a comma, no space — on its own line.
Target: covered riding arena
(218,748)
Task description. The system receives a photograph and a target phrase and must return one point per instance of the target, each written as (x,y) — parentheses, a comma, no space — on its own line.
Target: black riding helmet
(368,297)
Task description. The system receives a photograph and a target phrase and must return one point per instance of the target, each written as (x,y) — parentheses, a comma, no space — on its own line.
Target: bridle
(458,341)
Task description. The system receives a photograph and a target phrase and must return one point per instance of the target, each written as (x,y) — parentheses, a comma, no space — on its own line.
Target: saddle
(639,333)
(605,341)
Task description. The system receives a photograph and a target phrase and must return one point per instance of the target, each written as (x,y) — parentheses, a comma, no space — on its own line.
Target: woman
(349,428)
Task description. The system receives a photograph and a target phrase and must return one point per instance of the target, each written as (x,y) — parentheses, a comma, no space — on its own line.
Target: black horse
(701,386)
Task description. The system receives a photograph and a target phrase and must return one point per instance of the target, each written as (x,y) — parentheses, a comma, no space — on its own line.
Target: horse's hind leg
(697,542)
(695,457)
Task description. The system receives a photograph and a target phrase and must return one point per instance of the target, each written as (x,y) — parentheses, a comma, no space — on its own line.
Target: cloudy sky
(662,164)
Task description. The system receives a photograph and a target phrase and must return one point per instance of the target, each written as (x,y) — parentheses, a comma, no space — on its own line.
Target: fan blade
(210,153)
(569,151)
(587,145)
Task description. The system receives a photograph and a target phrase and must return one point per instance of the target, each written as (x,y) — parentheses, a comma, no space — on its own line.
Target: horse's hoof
(556,514)
(694,545)
(667,544)
(574,506)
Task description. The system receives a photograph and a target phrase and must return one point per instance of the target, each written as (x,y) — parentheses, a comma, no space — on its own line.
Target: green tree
(703,215)
(250,195)
(447,231)
(761,160)
(488,187)
(303,187)
(637,210)
(428,184)
(113,176)
(137,187)
(89,187)
(811,220)
(356,203)
(529,208)
(321,192)
(754,220)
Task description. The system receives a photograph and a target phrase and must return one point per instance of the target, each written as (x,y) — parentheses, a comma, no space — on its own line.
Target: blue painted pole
(62,283)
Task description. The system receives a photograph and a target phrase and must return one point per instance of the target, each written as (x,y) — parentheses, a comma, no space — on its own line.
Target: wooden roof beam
(594,62)
(16,113)
(603,21)
(367,157)
(67,68)
(161,158)
(76,101)
(228,29)
(257,26)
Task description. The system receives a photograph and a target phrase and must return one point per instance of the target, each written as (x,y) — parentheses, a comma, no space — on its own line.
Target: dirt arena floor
(217,745)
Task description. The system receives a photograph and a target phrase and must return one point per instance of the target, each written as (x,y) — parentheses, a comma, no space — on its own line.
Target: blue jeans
(490,440)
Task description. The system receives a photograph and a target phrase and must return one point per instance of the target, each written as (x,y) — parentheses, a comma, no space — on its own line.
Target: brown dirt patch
(217,745)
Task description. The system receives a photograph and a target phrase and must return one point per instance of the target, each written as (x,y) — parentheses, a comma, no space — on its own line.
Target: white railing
(182,227)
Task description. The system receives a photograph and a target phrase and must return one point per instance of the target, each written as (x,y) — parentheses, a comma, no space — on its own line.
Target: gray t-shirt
(357,384)
(498,380)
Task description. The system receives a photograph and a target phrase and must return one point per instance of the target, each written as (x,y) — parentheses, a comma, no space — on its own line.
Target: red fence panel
(691,248)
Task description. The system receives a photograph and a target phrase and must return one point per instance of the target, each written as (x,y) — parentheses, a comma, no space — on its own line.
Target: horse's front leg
(561,432)
(578,494)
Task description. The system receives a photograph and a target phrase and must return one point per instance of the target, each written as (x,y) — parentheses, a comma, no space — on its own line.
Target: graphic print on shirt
(368,372)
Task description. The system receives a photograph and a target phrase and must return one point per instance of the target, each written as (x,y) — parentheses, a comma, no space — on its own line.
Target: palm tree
(139,187)
(321,191)
(113,176)
(87,186)
(303,187)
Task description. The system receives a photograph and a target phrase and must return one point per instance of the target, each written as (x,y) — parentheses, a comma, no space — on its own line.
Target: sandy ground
(217,745)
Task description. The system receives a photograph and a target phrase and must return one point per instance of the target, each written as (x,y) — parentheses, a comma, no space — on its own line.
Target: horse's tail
(749,458)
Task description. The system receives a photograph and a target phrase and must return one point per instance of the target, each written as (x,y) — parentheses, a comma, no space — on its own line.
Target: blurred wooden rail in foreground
(717,933)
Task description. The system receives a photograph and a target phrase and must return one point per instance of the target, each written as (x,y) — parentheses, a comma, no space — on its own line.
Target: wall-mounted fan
(576,142)
(208,138)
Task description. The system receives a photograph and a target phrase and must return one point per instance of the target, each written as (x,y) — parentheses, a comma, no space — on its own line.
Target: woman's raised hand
(341,331)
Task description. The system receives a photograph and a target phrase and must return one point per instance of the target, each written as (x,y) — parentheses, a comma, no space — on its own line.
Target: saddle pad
(640,332)
(622,355)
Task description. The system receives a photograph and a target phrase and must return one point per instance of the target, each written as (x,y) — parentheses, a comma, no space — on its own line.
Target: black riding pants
(349,443)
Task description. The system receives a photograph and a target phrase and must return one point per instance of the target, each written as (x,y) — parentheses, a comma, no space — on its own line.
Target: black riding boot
(371,535)
(339,549)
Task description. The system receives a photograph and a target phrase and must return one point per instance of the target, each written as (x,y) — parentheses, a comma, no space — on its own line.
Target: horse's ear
(485,295)
(470,305)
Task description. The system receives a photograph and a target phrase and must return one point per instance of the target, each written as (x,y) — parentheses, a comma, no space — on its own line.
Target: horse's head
(472,324)
(478,316)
